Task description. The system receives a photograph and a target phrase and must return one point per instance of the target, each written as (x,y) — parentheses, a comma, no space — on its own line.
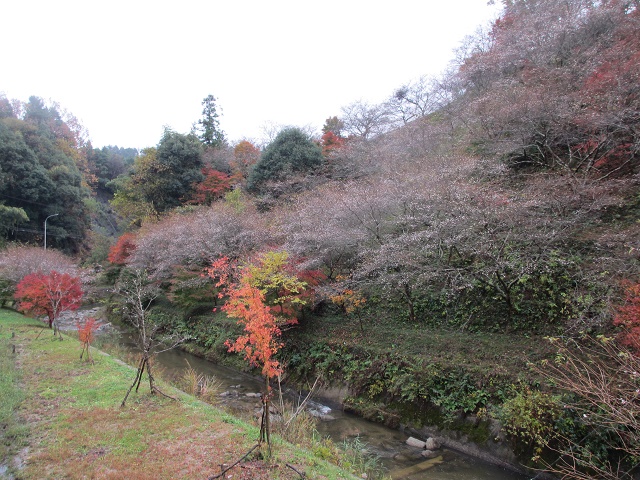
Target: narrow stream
(240,393)
(385,442)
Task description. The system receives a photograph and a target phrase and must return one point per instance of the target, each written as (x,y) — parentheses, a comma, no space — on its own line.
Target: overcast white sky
(127,68)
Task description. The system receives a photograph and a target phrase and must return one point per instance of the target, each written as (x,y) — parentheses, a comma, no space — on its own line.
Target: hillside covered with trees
(437,238)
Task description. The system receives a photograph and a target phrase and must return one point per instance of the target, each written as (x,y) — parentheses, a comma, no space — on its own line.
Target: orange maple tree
(246,303)
(245,156)
(49,294)
(86,331)
(260,342)
(351,302)
(246,289)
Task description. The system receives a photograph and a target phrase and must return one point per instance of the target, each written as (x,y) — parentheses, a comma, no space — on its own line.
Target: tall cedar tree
(208,128)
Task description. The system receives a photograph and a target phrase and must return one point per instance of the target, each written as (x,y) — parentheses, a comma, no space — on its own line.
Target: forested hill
(471,212)
(442,233)
(499,196)
(48,169)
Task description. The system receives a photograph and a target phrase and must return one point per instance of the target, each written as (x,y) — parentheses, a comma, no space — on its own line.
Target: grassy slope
(470,350)
(475,351)
(12,433)
(78,430)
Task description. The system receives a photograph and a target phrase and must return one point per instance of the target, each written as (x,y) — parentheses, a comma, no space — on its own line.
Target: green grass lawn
(62,417)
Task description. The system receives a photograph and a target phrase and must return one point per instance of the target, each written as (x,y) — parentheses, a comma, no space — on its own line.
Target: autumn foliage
(331,142)
(213,187)
(540,95)
(86,335)
(276,278)
(246,304)
(260,343)
(245,156)
(18,261)
(262,296)
(123,249)
(50,294)
(628,317)
(350,302)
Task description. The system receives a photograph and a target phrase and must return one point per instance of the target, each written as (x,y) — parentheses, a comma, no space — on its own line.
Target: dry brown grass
(206,387)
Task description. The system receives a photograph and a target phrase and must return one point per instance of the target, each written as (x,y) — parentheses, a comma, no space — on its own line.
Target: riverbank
(422,380)
(69,423)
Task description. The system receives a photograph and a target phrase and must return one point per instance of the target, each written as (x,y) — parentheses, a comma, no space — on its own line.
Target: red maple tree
(213,187)
(331,142)
(628,317)
(49,294)
(123,249)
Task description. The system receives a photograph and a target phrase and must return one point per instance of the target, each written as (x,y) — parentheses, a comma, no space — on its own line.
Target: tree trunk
(56,330)
(412,311)
(267,420)
(506,294)
(152,387)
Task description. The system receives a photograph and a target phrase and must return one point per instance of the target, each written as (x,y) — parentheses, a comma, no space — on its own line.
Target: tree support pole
(136,380)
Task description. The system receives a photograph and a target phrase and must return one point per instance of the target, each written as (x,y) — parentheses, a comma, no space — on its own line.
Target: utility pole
(45,228)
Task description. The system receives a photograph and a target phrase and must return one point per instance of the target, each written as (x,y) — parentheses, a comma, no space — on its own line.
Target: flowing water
(240,392)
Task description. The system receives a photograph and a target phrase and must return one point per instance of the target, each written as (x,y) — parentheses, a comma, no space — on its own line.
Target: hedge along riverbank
(74,427)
